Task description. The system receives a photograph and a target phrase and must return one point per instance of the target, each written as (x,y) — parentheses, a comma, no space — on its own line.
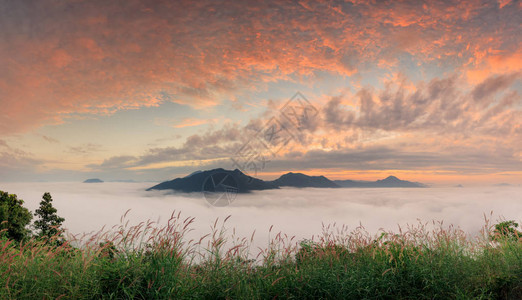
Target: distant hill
(392,181)
(301,180)
(388,182)
(221,179)
(195,182)
(93,180)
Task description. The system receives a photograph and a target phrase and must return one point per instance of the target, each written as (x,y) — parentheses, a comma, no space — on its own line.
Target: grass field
(427,261)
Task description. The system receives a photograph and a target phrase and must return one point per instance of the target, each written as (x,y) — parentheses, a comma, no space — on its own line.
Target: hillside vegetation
(149,261)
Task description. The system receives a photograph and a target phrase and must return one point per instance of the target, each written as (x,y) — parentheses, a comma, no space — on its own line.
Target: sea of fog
(295,212)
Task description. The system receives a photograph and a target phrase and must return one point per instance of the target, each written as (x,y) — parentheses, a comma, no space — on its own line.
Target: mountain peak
(388,182)
(303,180)
(195,182)
(93,180)
(245,183)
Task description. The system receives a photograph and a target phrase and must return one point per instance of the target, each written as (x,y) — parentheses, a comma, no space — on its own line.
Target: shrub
(507,230)
(14,218)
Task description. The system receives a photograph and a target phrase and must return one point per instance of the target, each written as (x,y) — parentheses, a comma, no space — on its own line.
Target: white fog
(296,212)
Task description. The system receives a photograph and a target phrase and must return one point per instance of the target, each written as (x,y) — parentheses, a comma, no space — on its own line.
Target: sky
(151,90)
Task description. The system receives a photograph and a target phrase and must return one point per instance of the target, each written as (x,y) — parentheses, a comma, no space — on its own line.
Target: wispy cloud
(97,57)
(185,122)
(414,81)
(85,149)
(50,139)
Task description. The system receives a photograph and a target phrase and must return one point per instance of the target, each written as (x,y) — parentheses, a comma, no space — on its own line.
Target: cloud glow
(436,83)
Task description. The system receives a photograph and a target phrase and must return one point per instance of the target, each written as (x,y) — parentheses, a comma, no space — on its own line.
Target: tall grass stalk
(154,261)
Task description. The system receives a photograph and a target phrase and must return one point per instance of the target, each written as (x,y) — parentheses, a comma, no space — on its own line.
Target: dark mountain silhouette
(392,181)
(204,180)
(301,180)
(388,182)
(193,173)
(93,180)
(221,179)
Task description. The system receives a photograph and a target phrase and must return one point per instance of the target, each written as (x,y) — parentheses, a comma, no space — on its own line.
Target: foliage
(148,262)
(108,250)
(507,230)
(48,222)
(13,217)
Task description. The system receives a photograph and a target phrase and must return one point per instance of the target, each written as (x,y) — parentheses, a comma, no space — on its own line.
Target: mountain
(214,180)
(392,181)
(193,173)
(93,180)
(221,180)
(388,182)
(301,180)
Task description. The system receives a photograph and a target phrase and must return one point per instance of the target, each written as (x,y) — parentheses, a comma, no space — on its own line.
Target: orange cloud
(502,3)
(496,64)
(187,122)
(79,57)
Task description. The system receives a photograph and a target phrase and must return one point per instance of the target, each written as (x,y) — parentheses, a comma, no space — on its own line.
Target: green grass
(156,262)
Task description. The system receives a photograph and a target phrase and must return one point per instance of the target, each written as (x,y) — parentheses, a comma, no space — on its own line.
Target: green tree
(507,230)
(13,217)
(48,222)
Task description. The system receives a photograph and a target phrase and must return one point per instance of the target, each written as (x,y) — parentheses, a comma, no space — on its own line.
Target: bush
(507,230)
(13,217)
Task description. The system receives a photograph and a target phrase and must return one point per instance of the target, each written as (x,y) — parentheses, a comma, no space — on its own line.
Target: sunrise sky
(152,90)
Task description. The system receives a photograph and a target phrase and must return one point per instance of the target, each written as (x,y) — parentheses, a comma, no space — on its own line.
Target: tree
(13,217)
(507,230)
(48,222)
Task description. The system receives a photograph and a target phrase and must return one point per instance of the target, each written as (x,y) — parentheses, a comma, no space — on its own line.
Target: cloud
(464,160)
(504,62)
(85,149)
(415,76)
(494,84)
(333,114)
(15,163)
(50,139)
(186,122)
(295,212)
(67,58)
(438,106)
(433,125)
(117,162)
(197,149)
(189,122)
